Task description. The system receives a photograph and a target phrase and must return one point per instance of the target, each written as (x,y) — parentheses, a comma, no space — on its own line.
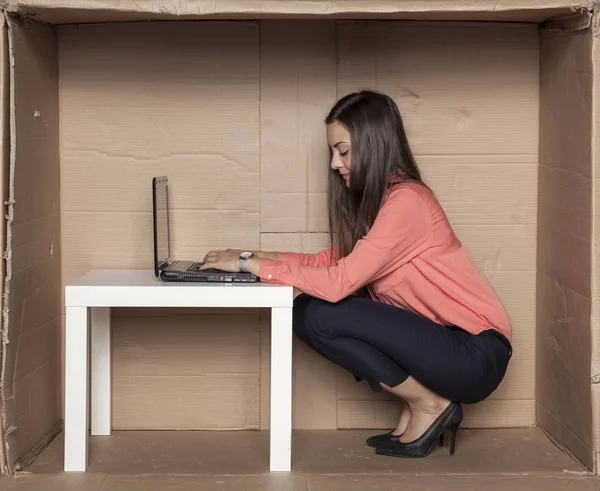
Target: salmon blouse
(410,258)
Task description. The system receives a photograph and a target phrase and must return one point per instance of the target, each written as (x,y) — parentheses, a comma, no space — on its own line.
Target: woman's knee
(298,315)
(321,318)
(313,316)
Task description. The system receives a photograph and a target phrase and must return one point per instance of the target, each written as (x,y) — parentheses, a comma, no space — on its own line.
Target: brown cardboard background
(297,86)
(123,94)
(212,382)
(490,260)
(563,392)
(486,182)
(32,377)
(469,98)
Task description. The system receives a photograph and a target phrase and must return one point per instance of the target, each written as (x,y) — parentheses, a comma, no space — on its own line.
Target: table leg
(76,389)
(101,371)
(281,389)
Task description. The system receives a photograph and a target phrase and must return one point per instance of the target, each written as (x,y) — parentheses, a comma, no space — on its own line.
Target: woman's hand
(227,260)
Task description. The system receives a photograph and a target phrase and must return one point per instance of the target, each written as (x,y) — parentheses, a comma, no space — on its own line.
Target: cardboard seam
(565,426)
(565,449)
(7,255)
(337,97)
(260,135)
(261,375)
(30,456)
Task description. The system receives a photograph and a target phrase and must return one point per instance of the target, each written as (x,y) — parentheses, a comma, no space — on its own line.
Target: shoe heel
(454,430)
(442,440)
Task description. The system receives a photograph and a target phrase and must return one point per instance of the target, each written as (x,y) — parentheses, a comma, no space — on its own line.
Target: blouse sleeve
(401,231)
(319,260)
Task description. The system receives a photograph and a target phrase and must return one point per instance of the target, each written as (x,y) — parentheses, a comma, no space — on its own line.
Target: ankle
(404,420)
(434,405)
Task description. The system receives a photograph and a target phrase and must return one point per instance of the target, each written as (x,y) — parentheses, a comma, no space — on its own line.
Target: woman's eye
(343,154)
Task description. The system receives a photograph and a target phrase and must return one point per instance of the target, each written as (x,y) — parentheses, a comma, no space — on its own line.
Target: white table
(99,290)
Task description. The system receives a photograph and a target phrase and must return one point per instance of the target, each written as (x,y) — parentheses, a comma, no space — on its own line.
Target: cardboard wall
(256,166)
(563,395)
(469,95)
(298,87)
(33,262)
(178,99)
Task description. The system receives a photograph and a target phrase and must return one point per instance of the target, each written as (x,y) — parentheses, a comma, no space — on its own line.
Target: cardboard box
(501,112)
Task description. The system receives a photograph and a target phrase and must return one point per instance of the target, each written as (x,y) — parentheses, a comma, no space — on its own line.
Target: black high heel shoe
(451,418)
(382,440)
(387,438)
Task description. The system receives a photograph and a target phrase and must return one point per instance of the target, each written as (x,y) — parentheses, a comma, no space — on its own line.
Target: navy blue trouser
(382,343)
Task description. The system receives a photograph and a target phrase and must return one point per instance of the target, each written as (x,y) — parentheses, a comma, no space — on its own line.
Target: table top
(141,288)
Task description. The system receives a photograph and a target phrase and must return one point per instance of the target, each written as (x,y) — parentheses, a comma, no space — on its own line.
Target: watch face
(246,255)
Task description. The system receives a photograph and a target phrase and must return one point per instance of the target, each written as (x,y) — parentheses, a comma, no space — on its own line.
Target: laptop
(168,269)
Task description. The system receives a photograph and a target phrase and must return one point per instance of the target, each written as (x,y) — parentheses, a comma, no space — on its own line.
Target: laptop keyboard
(183,265)
(189,266)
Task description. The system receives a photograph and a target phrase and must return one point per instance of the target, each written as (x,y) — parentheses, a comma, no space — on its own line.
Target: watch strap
(243,257)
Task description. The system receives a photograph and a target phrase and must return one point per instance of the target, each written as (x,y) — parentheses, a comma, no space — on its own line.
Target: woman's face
(338,140)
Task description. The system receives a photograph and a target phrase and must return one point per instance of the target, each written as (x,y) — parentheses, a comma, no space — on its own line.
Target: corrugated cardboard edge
(4,153)
(210,7)
(79,11)
(7,116)
(32,382)
(10,463)
(595,321)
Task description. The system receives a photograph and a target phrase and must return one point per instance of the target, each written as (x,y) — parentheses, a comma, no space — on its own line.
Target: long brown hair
(380,156)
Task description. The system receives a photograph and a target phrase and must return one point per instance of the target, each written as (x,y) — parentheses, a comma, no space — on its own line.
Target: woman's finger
(210,255)
(208,265)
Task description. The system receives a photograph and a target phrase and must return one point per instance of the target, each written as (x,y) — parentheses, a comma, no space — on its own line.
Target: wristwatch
(243,257)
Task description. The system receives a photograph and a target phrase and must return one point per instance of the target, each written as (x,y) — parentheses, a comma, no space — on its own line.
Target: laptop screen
(162,252)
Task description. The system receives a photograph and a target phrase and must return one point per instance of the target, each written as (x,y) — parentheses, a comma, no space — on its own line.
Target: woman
(397,300)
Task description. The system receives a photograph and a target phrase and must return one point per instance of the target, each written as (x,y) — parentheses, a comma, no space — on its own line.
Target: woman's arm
(401,231)
(320,259)
(260,254)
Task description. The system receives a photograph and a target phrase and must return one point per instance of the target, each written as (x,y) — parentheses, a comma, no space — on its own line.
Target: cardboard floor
(322,460)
